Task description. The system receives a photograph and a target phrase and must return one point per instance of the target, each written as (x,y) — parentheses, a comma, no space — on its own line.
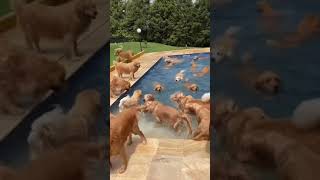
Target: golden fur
(148,97)
(166,114)
(133,100)
(203,71)
(121,127)
(252,119)
(127,68)
(293,160)
(158,87)
(118,86)
(191,86)
(203,114)
(75,126)
(266,82)
(307,28)
(27,77)
(124,56)
(185,102)
(67,21)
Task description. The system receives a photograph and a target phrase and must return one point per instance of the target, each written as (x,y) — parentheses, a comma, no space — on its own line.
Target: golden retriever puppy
(55,128)
(224,46)
(293,160)
(25,78)
(67,21)
(121,127)
(148,97)
(167,115)
(170,61)
(253,119)
(203,114)
(72,161)
(266,82)
(180,76)
(191,86)
(123,56)
(118,86)
(203,72)
(307,28)
(183,101)
(127,68)
(129,102)
(158,87)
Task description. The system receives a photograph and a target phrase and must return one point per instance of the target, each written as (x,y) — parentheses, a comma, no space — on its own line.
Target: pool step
(163,159)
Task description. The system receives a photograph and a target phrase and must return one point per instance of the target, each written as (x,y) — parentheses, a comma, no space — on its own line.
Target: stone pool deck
(164,159)
(147,60)
(92,40)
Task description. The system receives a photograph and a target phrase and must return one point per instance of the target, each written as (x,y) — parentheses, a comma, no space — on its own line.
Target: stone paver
(95,38)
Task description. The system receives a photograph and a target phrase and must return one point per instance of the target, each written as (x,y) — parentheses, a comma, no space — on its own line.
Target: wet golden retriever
(68,162)
(203,114)
(148,97)
(183,102)
(307,28)
(293,160)
(167,115)
(124,56)
(127,68)
(67,21)
(122,126)
(129,102)
(55,128)
(25,78)
(253,119)
(118,86)
(266,82)
(203,72)
(191,86)
(158,87)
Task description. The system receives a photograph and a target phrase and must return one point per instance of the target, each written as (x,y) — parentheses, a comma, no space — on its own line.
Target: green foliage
(172,22)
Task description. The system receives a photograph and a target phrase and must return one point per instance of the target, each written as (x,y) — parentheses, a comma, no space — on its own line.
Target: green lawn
(135,47)
(4,7)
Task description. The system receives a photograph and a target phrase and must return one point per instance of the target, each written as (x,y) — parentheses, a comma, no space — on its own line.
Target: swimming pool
(160,74)
(14,150)
(298,67)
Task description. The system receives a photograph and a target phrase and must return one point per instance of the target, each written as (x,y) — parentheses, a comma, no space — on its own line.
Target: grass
(135,47)
(4,7)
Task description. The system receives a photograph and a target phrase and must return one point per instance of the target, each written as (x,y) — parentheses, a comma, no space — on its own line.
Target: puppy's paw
(144,142)
(122,169)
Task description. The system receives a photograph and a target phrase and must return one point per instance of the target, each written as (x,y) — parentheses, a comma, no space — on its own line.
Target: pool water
(160,74)
(14,150)
(297,67)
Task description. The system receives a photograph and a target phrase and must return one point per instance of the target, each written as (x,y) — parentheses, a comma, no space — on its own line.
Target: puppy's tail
(205,97)
(307,115)
(182,71)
